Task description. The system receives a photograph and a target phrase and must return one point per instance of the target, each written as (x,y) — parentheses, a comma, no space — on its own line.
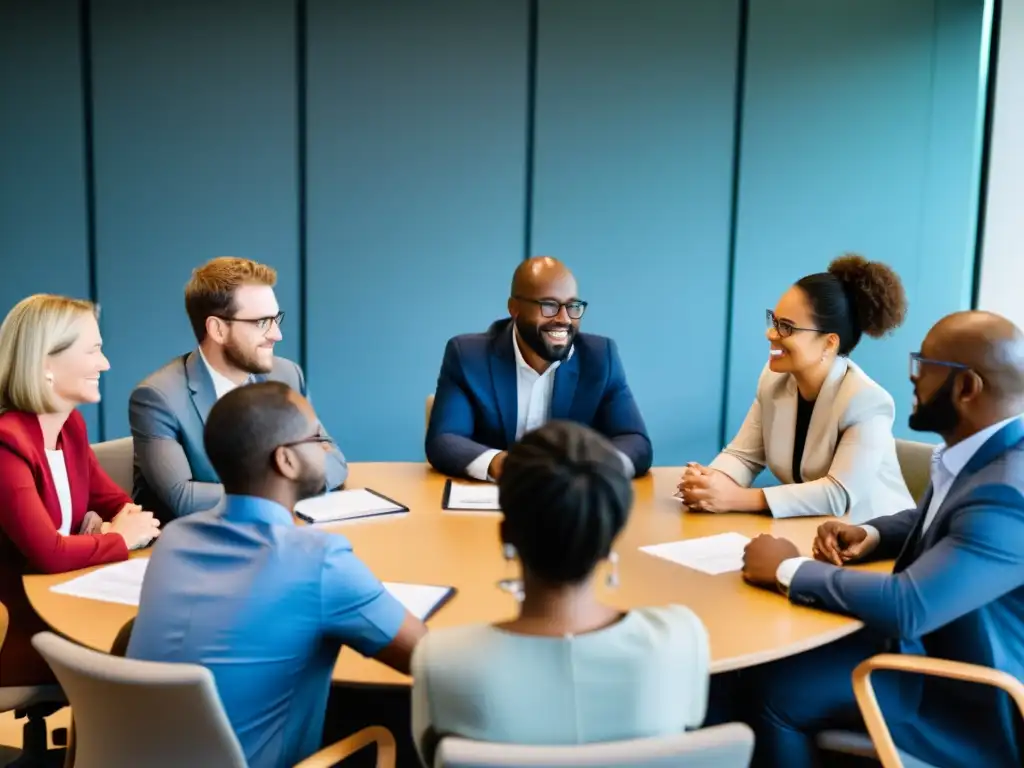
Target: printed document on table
(349,504)
(711,554)
(473,496)
(122,583)
(118,583)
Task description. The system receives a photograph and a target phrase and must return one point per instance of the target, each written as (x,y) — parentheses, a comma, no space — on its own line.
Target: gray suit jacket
(849,462)
(167,413)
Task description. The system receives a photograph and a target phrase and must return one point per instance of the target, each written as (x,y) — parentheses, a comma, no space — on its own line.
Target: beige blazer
(849,462)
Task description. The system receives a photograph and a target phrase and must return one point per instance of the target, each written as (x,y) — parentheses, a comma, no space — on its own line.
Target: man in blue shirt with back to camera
(264,604)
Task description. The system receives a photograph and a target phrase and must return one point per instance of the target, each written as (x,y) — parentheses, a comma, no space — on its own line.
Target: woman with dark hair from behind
(818,422)
(568,669)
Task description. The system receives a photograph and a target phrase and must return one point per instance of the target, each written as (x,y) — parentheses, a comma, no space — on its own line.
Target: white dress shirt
(59,472)
(533,408)
(947,463)
(221,383)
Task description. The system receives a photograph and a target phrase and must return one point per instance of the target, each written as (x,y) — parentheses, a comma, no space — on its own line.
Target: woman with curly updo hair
(819,423)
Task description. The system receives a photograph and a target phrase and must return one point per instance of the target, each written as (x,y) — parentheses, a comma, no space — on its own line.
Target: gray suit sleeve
(160,457)
(335,468)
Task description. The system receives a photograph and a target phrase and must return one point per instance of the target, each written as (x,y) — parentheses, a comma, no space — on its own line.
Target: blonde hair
(211,291)
(37,327)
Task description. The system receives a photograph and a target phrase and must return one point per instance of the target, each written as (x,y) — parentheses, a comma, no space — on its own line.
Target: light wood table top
(747,626)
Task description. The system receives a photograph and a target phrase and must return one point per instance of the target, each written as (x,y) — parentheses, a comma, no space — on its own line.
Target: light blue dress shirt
(265,605)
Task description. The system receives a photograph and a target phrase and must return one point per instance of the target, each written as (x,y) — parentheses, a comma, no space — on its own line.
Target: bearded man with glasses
(527,369)
(236,321)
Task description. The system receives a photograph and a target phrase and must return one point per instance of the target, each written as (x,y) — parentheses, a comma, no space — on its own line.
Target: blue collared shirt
(265,605)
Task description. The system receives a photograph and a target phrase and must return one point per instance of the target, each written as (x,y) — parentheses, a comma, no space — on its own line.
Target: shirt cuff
(628,464)
(787,570)
(873,536)
(477,468)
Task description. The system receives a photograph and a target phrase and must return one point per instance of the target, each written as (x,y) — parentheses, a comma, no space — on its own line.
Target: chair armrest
(328,756)
(888,755)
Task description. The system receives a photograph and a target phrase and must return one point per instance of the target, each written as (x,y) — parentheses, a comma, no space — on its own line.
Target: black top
(804,409)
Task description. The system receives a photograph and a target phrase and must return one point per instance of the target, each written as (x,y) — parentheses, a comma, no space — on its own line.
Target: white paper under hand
(119,583)
(711,554)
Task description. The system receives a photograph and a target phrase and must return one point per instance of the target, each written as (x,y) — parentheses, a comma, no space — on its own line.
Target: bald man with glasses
(530,368)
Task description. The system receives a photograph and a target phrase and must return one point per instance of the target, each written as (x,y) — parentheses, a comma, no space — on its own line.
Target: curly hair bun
(876,291)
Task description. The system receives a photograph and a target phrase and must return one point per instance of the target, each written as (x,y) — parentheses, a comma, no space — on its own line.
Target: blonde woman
(59,511)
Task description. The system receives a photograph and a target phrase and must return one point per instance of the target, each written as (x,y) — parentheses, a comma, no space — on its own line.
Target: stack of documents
(350,504)
(122,583)
(471,496)
(711,554)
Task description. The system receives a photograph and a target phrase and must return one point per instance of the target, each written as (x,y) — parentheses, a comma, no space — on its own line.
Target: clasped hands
(836,543)
(136,526)
(708,490)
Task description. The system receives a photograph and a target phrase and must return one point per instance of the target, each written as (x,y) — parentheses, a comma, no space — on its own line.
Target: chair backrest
(722,746)
(130,713)
(430,407)
(874,719)
(5,622)
(916,465)
(117,459)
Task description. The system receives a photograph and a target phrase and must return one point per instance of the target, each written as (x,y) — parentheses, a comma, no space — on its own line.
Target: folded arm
(619,419)
(978,561)
(27,523)
(161,458)
(449,443)
(335,467)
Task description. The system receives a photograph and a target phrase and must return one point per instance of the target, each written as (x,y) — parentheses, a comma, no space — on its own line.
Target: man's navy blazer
(475,406)
(956,592)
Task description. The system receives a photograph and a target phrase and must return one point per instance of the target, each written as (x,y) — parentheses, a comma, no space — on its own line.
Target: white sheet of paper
(118,583)
(344,505)
(721,553)
(473,496)
(418,599)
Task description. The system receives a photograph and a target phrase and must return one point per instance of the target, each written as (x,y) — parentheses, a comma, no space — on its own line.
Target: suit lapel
(818,439)
(566,376)
(503,377)
(200,385)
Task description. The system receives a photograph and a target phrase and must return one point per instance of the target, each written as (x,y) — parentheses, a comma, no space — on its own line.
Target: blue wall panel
(860,133)
(195,151)
(632,189)
(416,163)
(43,223)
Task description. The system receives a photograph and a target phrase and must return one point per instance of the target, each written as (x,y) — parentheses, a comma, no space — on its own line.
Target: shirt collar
(221,383)
(521,363)
(955,458)
(255,509)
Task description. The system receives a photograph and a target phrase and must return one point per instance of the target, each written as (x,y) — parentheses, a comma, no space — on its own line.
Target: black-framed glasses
(320,437)
(263,324)
(917,361)
(551,308)
(784,328)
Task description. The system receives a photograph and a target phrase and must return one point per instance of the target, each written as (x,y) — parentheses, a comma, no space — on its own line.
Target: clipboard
(447,503)
(439,603)
(396,509)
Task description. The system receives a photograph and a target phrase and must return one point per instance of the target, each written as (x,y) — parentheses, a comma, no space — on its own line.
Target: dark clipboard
(446,501)
(401,509)
(445,599)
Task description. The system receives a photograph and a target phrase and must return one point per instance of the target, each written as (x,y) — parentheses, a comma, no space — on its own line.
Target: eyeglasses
(261,323)
(551,308)
(320,437)
(784,328)
(916,361)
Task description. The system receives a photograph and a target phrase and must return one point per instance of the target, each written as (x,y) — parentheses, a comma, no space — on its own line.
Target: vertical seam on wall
(89,167)
(531,106)
(300,175)
(737,146)
(985,159)
(922,216)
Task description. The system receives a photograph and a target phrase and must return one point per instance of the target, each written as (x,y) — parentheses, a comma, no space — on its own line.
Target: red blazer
(30,517)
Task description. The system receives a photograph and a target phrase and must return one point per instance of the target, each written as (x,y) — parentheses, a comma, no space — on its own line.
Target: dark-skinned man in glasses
(525,370)
(236,320)
(957,588)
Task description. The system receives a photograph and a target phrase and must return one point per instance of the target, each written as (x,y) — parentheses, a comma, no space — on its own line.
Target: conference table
(746,625)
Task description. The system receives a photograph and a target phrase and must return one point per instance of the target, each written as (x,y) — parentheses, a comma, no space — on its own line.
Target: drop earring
(49,379)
